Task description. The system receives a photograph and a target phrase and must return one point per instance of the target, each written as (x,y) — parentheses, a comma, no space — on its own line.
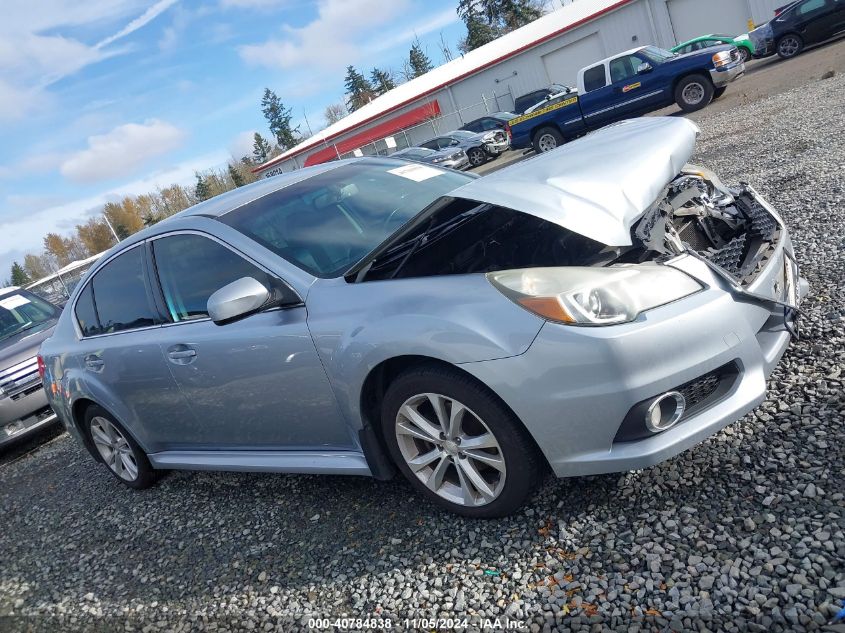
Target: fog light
(665,411)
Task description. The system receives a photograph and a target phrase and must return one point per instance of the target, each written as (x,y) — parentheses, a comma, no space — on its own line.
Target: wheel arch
(704,72)
(372,394)
(540,126)
(78,410)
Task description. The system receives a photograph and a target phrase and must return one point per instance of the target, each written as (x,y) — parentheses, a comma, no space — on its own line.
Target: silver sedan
(598,308)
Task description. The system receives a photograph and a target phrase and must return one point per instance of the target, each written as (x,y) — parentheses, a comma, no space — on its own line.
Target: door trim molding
(325,462)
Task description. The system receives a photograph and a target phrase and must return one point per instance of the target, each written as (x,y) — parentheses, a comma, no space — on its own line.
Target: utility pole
(111,228)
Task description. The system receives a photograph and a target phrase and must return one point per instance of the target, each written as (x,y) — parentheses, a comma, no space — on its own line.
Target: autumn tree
(419,61)
(96,235)
(36,266)
(279,120)
(382,81)
(19,276)
(261,149)
(359,91)
(334,113)
(63,250)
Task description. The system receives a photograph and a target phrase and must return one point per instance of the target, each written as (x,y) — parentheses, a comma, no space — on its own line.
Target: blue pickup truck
(627,85)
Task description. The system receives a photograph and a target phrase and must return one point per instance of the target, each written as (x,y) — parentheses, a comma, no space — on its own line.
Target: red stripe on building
(451,81)
(412,117)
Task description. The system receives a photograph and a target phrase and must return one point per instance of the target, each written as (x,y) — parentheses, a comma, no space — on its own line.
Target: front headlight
(440,159)
(594,296)
(722,58)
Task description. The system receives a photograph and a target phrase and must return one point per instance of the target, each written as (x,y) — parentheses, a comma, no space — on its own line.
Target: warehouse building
(549,50)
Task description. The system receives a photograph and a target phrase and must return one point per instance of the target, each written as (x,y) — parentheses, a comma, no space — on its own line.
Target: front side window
(623,68)
(191,268)
(329,222)
(594,78)
(474,126)
(491,124)
(120,294)
(810,6)
(22,311)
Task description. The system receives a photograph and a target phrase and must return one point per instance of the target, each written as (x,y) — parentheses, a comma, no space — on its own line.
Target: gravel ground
(744,532)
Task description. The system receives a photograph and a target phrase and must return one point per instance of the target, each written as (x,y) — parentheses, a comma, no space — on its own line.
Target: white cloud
(252,4)
(332,40)
(148,16)
(242,144)
(15,102)
(121,151)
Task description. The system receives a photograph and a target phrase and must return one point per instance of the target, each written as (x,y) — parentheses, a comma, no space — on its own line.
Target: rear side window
(809,6)
(594,78)
(120,294)
(191,268)
(473,126)
(86,314)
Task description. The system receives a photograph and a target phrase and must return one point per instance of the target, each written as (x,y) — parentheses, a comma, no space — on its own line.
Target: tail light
(42,368)
(508,131)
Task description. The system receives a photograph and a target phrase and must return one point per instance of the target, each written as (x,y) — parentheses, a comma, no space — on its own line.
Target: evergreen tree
(279,120)
(359,91)
(488,19)
(235,175)
(202,191)
(382,81)
(420,63)
(19,276)
(260,149)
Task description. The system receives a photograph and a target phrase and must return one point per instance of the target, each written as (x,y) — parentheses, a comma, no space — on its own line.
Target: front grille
(20,380)
(700,393)
(500,136)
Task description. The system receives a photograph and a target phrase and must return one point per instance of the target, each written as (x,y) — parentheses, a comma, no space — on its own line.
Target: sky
(106,98)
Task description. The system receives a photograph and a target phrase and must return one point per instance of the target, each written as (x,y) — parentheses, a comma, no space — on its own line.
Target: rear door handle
(181,354)
(94,362)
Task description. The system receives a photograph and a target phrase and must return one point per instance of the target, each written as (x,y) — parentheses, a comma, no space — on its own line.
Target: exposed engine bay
(696,214)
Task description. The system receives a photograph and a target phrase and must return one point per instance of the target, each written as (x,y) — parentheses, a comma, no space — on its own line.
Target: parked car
(26,321)
(552,98)
(629,84)
(522,103)
(591,311)
(448,157)
(797,25)
(742,42)
(490,122)
(479,147)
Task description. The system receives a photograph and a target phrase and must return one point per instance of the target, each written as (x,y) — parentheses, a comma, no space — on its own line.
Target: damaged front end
(730,229)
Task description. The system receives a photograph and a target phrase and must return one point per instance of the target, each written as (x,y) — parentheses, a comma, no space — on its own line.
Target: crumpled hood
(598,185)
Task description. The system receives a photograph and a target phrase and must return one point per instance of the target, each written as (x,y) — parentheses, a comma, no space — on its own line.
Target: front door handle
(94,362)
(181,354)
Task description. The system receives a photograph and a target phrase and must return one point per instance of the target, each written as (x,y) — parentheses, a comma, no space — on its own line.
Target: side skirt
(316,462)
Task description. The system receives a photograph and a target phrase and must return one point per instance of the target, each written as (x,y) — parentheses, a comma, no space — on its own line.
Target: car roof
(8,289)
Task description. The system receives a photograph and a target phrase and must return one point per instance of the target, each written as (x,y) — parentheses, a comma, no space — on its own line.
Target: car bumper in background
(15,429)
(461,163)
(496,148)
(726,74)
(575,386)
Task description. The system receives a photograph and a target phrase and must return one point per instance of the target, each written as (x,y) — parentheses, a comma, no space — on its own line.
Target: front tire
(694,92)
(117,450)
(789,46)
(476,157)
(745,54)
(718,92)
(546,139)
(458,444)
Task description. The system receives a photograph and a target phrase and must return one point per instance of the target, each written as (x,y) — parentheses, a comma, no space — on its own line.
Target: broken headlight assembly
(594,296)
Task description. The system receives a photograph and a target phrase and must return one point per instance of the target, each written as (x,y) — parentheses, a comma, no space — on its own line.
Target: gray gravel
(744,532)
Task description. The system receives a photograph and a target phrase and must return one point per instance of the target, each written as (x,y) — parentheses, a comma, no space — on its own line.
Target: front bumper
(460,164)
(575,385)
(34,415)
(724,75)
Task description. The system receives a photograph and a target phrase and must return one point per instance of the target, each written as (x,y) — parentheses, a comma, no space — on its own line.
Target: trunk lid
(599,185)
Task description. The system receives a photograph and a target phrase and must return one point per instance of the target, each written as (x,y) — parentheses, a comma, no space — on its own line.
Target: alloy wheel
(789,46)
(114,448)
(476,157)
(547,142)
(450,449)
(693,93)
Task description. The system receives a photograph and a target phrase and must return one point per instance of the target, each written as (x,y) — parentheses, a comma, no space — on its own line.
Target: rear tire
(718,92)
(694,92)
(789,46)
(117,450)
(546,139)
(457,444)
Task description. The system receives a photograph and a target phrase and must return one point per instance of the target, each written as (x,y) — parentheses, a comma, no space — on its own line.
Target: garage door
(691,18)
(563,64)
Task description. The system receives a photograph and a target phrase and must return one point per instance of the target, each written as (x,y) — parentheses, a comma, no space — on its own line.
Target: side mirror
(644,68)
(238,299)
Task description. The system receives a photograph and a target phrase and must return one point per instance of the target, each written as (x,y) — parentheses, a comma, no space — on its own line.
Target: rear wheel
(476,156)
(694,92)
(789,46)
(546,139)
(117,450)
(458,444)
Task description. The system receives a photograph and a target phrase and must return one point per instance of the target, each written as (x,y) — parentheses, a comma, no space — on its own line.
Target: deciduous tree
(334,113)
(96,235)
(36,266)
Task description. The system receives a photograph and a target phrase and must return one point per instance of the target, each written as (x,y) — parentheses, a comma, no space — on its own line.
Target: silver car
(599,308)
(450,157)
(478,146)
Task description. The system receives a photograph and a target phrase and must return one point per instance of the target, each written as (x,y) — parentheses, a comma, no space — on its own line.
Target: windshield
(462,134)
(656,55)
(330,221)
(20,311)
